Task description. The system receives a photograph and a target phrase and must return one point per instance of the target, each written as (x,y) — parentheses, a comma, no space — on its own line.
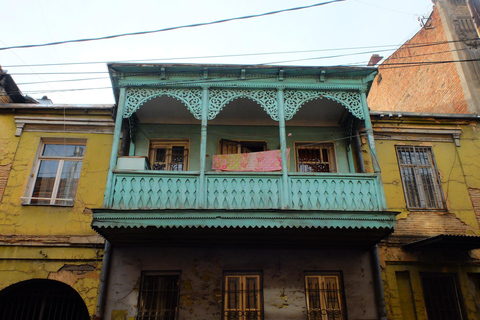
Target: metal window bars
(324,298)
(174,158)
(242,298)
(158,298)
(315,157)
(421,182)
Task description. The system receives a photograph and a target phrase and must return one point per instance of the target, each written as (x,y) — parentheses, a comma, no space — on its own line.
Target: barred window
(324,297)
(158,297)
(420,179)
(56,173)
(169,155)
(315,157)
(242,298)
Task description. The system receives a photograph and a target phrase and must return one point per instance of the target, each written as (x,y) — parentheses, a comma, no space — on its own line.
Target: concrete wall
(201,278)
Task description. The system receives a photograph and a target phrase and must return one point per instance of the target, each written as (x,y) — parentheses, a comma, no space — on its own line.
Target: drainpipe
(378,284)
(104,275)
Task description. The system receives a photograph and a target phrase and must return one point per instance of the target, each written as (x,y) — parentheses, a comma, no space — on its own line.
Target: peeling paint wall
(459,170)
(51,242)
(202,270)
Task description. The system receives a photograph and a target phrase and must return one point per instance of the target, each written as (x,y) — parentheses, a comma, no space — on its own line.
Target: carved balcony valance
(219,98)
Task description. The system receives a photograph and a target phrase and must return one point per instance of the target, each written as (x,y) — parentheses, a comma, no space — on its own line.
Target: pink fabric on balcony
(254,161)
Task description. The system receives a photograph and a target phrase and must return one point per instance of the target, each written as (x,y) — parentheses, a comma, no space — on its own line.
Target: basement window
(158,296)
(242,297)
(324,296)
(56,173)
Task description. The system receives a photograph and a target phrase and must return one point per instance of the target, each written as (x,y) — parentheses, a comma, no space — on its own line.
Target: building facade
(53,161)
(431,263)
(438,70)
(242,192)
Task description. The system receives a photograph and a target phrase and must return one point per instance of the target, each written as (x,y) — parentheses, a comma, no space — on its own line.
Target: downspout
(378,283)
(105,273)
(376,272)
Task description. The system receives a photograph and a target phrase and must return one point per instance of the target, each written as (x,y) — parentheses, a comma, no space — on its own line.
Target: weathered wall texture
(50,242)
(459,171)
(201,278)
(411,80)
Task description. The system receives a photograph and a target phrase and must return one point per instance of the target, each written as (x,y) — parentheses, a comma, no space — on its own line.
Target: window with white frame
(324,295)
(158,296)
(242,297)
(169,155)
(420,178)
(56,173)
(315,157)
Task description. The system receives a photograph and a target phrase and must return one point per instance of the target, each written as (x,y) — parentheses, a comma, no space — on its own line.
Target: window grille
(420,179)
(158,297)
(56,173)
(443,298)
(169,155)
(234,147)
(324,297)
(315,157)
(242,297)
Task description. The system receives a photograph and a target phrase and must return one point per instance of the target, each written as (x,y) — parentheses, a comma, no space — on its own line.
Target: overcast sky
(358,27)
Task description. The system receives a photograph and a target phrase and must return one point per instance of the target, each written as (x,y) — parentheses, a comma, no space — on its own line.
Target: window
(242,298)
(158,296)
(421,182)
(443,299)
(169,155)
(315,157)
(324,297)
(56,173)
(233,147)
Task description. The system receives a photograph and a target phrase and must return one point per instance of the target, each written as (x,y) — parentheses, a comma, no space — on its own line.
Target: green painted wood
(203,147)
(232,191)
(114,152)
(283,147)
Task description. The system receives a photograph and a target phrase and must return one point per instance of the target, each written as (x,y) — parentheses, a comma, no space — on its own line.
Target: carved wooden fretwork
(265,98)
(136,97)
(294,99)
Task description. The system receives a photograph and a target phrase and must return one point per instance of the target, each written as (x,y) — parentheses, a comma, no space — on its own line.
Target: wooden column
(115,144)
(285,196)
(202,190)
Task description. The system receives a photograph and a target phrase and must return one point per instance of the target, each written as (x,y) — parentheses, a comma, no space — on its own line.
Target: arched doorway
(41,299)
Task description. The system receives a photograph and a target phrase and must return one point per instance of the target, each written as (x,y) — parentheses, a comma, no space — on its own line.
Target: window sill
(26,201)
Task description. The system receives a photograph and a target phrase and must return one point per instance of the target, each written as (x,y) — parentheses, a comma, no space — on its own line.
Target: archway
(41,299)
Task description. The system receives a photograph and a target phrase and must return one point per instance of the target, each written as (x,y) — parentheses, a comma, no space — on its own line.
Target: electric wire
(171,28)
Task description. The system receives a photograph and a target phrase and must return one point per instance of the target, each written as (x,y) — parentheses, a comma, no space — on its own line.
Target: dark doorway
(41,299)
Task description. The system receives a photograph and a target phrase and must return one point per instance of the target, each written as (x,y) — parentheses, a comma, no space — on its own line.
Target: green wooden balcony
(149,189)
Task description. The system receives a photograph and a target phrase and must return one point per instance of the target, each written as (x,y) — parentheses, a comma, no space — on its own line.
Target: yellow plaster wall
(48,242)
(50,220)
(459,169)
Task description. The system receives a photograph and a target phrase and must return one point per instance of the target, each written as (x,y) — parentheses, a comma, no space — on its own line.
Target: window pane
(43,188)
(177,159)
(324,297)
(442,297)
(69,181)
(158,297)
(61,150)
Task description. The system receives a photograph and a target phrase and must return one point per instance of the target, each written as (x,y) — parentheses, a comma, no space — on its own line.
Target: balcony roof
(162,72)
(333,228)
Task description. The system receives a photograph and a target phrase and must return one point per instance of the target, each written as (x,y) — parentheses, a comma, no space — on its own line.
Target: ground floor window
(242,298)
(158,296)
(324,296)
(443,298)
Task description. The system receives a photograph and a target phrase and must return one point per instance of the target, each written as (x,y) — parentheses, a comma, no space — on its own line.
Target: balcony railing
(240,190)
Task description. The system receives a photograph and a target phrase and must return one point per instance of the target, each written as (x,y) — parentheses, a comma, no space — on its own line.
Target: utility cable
(171,28)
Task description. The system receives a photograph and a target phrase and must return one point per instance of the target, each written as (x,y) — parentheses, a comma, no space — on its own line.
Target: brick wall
(4,172)
(428,87)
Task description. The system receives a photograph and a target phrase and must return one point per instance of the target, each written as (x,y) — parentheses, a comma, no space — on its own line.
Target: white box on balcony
(133,163)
